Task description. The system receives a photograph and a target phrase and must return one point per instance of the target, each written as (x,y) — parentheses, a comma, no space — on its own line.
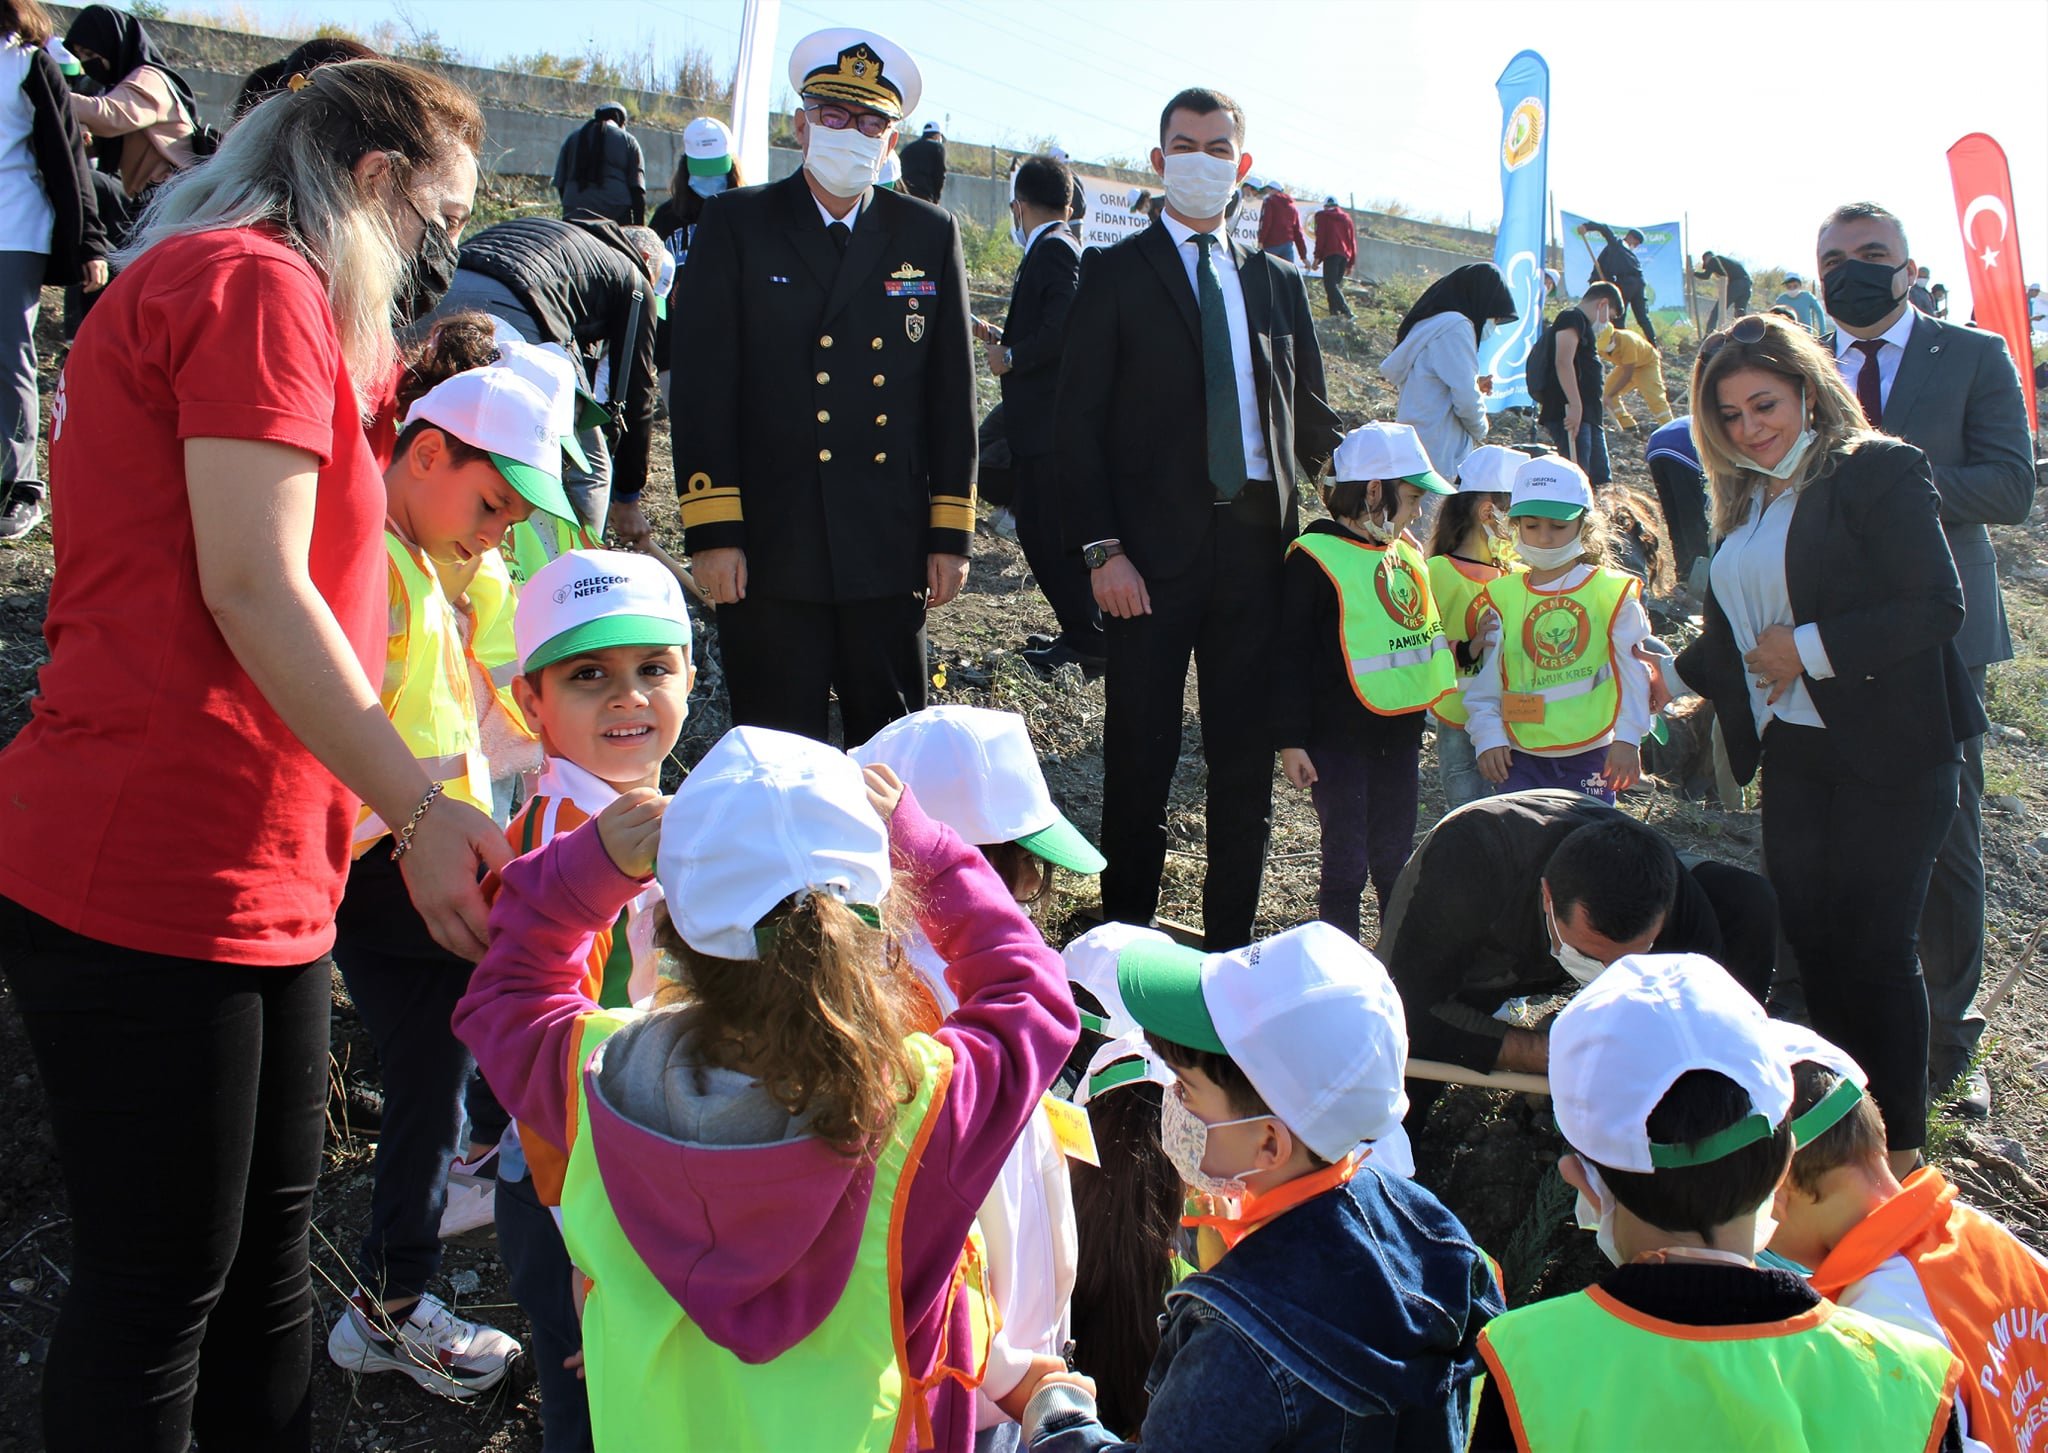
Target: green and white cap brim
(1161,984)
(1549,487)
(1430,481)
(607,633)
(1063,845)
(1545,509)
(595,600)
(537,487)
(1386,451)
(510,418)
(709,166)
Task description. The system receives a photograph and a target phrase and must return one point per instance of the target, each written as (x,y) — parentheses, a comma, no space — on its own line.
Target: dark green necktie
(1219,376)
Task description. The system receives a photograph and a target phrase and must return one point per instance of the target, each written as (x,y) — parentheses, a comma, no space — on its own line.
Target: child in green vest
(771,1178)
(1471,546)
(1674,1096)
(1362,654)
(473,455)
(1561,699)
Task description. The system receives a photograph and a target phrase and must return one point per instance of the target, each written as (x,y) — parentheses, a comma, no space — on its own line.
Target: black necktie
(1869,382)
(839,232)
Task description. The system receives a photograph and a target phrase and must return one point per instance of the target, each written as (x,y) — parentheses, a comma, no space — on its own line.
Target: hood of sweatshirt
(749,1221)
(1423,337)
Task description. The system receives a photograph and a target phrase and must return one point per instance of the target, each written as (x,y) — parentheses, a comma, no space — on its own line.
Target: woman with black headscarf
(143,118)
(1435,362)
(600,172)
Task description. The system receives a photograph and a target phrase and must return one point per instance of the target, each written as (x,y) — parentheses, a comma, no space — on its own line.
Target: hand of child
(630,830)
(1624,766)
(1488,634)
(1494,763)
(885,790)
(1297,768)
(1012,1403)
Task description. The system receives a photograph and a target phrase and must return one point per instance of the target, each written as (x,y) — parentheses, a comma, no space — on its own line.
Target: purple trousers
(1366,802)
(1579,773)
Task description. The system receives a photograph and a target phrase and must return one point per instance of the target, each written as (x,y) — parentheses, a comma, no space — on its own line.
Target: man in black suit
(924,164)
(1191,393)
(824,411)
(1025,355)
(1618,264)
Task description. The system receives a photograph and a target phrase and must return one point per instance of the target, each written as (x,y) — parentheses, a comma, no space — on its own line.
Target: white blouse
(1749,582)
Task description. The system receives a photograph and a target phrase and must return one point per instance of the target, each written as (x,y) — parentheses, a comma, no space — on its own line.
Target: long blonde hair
(1789,351)
(289,163)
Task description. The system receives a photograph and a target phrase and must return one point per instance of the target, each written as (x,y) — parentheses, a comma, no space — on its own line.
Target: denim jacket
(1351,1322)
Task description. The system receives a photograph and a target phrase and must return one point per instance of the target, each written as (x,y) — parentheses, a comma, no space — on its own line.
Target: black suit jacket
(1132,445)
(824,413)
(1034,331)
(1867,561)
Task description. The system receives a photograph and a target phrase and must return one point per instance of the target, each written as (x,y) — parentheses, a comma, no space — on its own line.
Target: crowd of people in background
(793,1129)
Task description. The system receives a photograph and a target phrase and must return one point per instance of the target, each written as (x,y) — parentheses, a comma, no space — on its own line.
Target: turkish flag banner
(1991,242)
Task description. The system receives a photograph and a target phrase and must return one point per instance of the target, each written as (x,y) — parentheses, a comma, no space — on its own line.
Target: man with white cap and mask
(824,423)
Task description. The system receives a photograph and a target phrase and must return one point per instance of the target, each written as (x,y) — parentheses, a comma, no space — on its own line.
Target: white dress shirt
(1257,465)
(849,219)
(1749,581)
(1039,231)
(1850,359)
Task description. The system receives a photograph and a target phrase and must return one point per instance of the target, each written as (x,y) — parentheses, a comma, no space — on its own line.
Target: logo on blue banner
(1524,89)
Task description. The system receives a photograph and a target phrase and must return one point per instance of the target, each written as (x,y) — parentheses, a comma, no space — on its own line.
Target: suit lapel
(1156,243)
(1806,542)
(869,243)
(1255,279)
(807,229)
(1916,363)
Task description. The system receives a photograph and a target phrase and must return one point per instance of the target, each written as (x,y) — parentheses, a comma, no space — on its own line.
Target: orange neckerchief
(1921,1206)
(1257,1210)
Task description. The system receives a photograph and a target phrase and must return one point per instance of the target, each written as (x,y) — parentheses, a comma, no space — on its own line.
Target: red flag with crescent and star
(1991,242)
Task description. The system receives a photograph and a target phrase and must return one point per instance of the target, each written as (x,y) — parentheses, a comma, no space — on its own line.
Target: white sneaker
(432,1346)
(1003,524)
(472,1206)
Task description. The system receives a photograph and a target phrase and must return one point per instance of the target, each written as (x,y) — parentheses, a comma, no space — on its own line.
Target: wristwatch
(1100,553)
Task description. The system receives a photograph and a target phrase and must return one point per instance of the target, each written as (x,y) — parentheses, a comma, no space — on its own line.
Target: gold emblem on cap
(907,272)
(855,75)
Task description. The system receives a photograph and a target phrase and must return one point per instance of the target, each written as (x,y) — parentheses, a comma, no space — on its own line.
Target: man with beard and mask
(1191,408)
(825,427)
(1953,393)
(598,290)
(1532,893)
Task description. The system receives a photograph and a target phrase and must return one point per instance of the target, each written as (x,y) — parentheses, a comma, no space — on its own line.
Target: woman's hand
(1297,768)
(885,791)
(1624,766)
(1774,661)
(630,829)
(452,846)
(1494,763)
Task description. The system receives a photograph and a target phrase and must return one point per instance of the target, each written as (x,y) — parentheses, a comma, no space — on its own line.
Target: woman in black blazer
(1829,657)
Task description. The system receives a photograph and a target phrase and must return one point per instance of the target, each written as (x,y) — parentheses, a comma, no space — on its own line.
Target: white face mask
(1581,966)
(1384,531)
(1017,234)
(1786,467)
(1597,1219)
(1185,1138)
(1198,184)
(844,163)
(1557,557)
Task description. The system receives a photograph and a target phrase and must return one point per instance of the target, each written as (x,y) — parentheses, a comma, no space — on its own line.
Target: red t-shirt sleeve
(253,353)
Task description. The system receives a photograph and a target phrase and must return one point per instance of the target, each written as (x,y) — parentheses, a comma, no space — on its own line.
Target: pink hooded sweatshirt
(755,1242)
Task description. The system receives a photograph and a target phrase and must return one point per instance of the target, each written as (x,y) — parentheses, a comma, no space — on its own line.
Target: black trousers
(1222,612)
(1334,269)
(1682,493)
(1639,304)
(1851,859)
(1952,926)
(188,1101)
(784,660)
(1062,578)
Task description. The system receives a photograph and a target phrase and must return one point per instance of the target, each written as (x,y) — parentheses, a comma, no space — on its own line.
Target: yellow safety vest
(539,538)
(494,601)
(1394,646)
(426,688)
(1587,1372)
(1457,595)
(1558,691)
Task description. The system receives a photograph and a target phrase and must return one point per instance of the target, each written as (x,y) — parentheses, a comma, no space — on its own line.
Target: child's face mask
(1552,557)
(1185,1138)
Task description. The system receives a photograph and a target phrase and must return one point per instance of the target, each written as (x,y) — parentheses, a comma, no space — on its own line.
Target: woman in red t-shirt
(175,818)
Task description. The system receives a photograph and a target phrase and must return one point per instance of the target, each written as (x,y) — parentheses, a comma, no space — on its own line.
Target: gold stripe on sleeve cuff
(950,512)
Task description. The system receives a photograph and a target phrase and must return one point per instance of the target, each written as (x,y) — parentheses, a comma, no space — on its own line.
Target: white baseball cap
(1550,487)
(1622,1042)
(765,816)
(707,147)
(1801,1045)
(501,413)
(976,771)
(1386,451)
(1091,964)
(856,68)
(548,367)
(592,600)
(1309,1016)
(890,172)
(1490,469)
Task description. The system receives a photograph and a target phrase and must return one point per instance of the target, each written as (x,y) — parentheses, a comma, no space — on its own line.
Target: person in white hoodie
(1435,362)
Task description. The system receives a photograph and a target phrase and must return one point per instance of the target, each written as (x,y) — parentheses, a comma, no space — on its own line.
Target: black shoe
(1973,1096)
(1039,641)
(23,513)
(1048,661)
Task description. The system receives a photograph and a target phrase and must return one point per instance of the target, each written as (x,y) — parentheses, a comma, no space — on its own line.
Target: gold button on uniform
(876,345)
(824,456)
(826,341)
(823,417)
(881,419)
(824,378)
(881,459)
(878,380)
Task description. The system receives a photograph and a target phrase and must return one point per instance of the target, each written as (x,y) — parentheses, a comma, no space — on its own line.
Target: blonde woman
(1829,656)
(178,809)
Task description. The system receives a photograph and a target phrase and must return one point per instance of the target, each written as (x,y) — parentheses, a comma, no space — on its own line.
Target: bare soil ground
(1490,1155)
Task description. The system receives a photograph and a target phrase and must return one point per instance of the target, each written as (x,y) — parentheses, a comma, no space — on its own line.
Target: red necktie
(1869,387)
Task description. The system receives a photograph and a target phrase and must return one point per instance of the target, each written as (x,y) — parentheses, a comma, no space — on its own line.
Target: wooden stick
(1450,1074)
(680,571)
(2011,978)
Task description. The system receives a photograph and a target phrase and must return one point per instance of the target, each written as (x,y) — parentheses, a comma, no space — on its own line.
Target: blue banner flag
(1662,258)
(1518,248)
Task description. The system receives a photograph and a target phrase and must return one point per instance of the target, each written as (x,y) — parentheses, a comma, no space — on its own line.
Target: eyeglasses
(838,118)
(1746,331)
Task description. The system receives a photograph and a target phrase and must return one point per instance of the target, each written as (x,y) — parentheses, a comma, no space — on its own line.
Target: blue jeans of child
(1580,773)
(1457,768)
(1366,802)
(1588,448)
(537,1263)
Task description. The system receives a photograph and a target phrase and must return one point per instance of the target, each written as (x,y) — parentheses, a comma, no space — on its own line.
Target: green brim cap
(1546,509)
(537,487)
(661,309)
(590,414)
(1430,481)
(1162,987)
(1063,846)
(573,447)
(605,633)
(709,166)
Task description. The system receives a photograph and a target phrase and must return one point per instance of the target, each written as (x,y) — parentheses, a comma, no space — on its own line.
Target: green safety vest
(1393,641)
(1585,1372)
(494,601)
(1459,606)
(539,538)
(655,1381)
(1558,691)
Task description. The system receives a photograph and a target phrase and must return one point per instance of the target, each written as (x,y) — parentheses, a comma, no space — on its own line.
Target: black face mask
(1859,293)
(429,272)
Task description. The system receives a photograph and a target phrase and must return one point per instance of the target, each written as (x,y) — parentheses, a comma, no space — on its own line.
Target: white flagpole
(752,92)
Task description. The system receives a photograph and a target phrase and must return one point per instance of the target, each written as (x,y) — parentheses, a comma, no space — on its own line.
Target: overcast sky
(1750,117)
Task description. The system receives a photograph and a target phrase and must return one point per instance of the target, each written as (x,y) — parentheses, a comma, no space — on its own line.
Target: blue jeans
(1588,448)
(1457,768)
(537,1263)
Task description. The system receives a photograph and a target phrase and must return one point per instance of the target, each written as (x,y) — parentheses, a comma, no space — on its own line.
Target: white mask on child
(1536,557)
(1597,1219)
(1384,531)
(1185,1138)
